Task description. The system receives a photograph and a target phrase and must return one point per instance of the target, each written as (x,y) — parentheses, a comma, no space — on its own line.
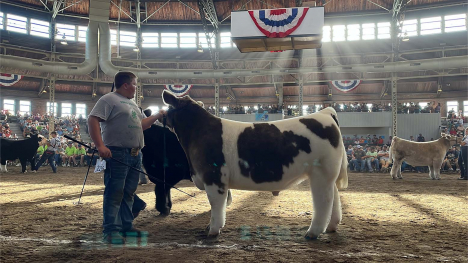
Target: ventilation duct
(99,17)
(99,12)
(401,66)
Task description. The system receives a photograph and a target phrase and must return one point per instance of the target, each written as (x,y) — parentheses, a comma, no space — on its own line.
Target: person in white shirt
(384,158)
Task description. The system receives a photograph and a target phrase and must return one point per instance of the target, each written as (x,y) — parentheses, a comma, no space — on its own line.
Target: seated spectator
(80,153)
(384,158)
(421,138)
(40,151)
(380,141)
(6,132)
(60,156)
(360,141)
(453,131)
(451,159)
(70,152)
(371,158)
(349,152)
(374,140)
(357,159)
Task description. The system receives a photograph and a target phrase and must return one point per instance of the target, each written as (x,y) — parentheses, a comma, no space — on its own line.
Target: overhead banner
(278,23)
(9,79)
(179,90)
(346,85)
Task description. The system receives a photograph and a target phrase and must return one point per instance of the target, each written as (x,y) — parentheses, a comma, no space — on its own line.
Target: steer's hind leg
(336,211)
(396,169)
(437,165)
(218,200)
(322,185)
(431,172)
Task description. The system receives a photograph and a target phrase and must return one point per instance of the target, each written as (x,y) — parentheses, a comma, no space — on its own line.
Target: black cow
(177,167)
(24,150)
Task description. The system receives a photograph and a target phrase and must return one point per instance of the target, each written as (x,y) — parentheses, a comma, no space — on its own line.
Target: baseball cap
(358,146)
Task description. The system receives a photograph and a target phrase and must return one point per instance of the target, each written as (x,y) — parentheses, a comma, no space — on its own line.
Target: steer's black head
(182,112)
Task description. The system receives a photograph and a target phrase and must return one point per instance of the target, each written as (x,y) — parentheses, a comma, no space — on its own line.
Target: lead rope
(129,166)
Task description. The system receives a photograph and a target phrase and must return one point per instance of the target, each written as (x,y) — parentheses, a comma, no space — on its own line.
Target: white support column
(217,98)
(52,103)
(279,91)
(301,93)
(394,104)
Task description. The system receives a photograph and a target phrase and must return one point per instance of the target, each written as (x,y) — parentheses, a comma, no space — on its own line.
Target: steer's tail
(342,181)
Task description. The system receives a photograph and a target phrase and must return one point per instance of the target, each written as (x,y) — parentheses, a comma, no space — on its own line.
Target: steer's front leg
(217,197)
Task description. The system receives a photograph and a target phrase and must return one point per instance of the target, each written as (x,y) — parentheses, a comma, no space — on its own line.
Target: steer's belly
(246,183)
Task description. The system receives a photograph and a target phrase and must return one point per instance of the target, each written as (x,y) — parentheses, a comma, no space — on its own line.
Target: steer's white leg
(229,198)
(218,201)
(437,165)
(396,169)
(431,172)
(336,211)
(322,196)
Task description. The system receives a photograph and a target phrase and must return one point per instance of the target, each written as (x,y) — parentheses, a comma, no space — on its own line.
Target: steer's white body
(321,158)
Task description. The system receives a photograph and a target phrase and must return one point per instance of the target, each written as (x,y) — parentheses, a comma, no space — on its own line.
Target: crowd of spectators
(239,109)
(293,110)
(454,123)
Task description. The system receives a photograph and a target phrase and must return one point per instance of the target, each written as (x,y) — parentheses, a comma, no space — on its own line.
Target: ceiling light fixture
(405,37)
(64,40)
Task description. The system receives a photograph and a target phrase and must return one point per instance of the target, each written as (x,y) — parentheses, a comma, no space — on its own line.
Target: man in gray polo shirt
(116,126)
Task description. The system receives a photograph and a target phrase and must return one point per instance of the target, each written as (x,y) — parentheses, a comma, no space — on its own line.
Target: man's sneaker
(134,232)
(450,169)
(458,170)
(18,164)
(68,165)
(114,238)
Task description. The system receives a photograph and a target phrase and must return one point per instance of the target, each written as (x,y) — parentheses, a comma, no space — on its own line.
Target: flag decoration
(9,79)
(179,90)
(346,85)
(277,23)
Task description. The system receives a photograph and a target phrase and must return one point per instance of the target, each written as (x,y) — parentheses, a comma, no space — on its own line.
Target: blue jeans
(120,183)
(48,155)
(87,159)
(58,159)
(359,165)
(369,164)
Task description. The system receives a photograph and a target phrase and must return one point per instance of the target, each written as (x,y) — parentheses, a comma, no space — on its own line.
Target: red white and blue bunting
(346,85)
(9,79)
(278,22)
(179,90)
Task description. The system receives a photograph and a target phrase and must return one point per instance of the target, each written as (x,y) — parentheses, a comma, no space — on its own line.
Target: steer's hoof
(307,237)
(275,193)
(213,234)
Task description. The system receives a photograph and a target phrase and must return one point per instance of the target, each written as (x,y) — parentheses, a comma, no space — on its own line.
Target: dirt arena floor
(410,220)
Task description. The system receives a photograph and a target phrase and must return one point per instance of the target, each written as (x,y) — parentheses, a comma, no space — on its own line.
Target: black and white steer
(272,156)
